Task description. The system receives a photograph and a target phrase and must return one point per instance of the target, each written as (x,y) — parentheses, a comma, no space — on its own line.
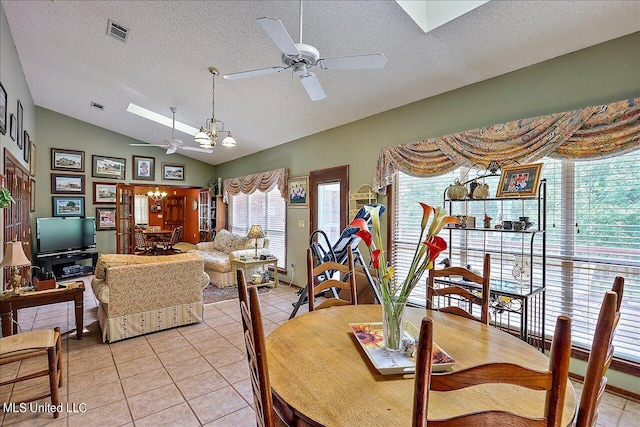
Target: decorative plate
(387,362)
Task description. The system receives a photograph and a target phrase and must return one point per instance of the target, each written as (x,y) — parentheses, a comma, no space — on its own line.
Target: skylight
(430,14)
(159,118)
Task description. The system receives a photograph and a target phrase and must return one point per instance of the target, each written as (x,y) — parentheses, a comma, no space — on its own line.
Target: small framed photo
(105,218)
(32,202)
(32,160)
(108,167)
(172,172)
(299,192)
(519,181)
(13,127)
(67,184)
(26,153)
(67,160)
(104,193)
(3,110)
(68,206)
(19,125)
(144,168)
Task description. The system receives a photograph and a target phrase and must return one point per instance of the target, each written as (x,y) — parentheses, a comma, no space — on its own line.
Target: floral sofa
(225,248)
(142,294)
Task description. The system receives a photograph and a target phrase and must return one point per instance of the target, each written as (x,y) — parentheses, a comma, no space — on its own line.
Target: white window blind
(593,235)
(141,203)
(267,209)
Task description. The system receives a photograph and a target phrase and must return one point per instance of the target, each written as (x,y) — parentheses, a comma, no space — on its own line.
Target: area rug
(214,294)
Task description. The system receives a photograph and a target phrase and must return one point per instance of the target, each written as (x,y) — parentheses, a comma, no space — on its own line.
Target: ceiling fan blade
(313,87)
(150,145)
(279,35)
(354,62)
(172,149)
(198,149)
(253,73)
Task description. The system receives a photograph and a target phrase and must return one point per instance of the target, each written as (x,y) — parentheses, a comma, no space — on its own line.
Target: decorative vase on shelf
(457,191)
(393,322)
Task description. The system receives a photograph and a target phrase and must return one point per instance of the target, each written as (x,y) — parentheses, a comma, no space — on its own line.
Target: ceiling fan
(302,57)
(173,144)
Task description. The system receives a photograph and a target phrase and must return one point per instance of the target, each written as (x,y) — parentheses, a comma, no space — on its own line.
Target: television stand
(65,266)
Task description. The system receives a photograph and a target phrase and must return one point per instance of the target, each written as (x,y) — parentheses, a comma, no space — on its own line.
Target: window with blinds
(267,209)
(141,204)
(593,235)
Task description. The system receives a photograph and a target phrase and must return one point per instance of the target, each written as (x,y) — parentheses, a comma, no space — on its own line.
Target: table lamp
(255,232)
(14,257)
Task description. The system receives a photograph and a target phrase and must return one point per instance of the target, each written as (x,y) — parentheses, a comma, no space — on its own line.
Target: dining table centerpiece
(394,294)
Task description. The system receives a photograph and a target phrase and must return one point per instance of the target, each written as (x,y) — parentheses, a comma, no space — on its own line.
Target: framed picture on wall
(19,125)
(67,184)
(299,192)
(105,218)
(32,202)
(172,172)
(13,127)
(32,160)
(104,193)
(3,110)
(108,167)
(144,168)
(67,160)
(26,153)
(67,206)
(519,181)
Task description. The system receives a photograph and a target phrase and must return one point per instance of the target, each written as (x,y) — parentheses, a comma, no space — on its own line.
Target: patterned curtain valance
(592,132)
(264,181)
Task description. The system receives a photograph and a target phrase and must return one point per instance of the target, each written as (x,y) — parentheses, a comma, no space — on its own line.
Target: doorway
(329,203)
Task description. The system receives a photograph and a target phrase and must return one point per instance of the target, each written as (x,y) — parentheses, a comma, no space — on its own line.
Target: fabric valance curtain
(264,181)
(592,132)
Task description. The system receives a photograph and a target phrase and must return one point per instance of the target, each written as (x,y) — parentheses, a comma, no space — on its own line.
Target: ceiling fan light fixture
(229,141)
(202,138)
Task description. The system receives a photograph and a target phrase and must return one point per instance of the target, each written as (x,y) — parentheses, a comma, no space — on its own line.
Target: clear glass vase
(393,322)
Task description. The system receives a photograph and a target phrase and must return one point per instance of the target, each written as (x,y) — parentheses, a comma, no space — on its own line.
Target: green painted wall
(597,75)
(56,130)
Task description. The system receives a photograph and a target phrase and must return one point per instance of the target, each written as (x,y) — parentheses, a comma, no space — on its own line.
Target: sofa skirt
(132,325)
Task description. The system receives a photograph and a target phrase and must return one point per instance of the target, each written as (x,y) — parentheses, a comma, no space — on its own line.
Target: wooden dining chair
(323,274)
(175,237)
(553,381)
(600,356)
(142,244)
(462,294)
(253,330)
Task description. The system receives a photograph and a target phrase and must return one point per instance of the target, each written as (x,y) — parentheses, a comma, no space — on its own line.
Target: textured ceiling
(69,61)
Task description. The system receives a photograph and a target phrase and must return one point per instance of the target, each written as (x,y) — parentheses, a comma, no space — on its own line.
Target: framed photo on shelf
(26,154)
(67,184)
(67,160)
(108,167)
(105,218)
(3,110)
(519,181)
(68,206)
(104,193)
(172,172)
(32,160)
(298,192)
(144,168)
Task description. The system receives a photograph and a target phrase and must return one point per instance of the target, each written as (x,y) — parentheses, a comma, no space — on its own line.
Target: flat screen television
(63,235)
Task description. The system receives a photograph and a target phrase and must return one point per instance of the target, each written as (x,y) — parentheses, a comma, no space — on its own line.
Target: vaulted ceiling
(69,60)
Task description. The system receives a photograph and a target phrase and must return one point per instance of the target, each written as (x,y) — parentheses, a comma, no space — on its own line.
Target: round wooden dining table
(320,375)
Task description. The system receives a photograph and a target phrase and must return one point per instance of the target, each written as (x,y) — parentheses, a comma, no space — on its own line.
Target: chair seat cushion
(27,341)
(215,261)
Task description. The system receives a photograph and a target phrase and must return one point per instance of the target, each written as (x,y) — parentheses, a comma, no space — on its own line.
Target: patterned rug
(214,294)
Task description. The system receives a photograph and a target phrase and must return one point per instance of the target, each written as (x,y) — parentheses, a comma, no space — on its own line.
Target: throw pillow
(223,241)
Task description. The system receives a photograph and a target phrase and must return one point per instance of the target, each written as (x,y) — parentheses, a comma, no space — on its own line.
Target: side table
(9,306)
(244,264)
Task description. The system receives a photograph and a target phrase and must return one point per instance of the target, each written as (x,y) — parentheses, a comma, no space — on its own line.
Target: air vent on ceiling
(117,30)
(96,105)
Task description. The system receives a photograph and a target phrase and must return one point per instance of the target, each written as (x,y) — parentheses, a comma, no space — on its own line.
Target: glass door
(125,219)
(329,203)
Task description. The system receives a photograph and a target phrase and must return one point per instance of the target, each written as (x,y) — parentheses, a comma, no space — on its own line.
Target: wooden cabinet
(204,215)
(221,214)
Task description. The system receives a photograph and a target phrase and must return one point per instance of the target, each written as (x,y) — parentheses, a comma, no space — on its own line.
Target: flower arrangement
(394,294)
(5,198)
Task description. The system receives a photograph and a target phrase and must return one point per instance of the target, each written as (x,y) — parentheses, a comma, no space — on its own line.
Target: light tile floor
(190,376)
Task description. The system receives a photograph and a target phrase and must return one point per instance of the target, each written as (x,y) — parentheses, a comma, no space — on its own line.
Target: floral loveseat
(226,247)
(142,294)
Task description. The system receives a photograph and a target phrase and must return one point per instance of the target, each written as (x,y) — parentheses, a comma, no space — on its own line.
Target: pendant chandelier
(208,134)
(157,196)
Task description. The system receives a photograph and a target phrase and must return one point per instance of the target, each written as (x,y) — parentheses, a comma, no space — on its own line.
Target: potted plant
(5,198)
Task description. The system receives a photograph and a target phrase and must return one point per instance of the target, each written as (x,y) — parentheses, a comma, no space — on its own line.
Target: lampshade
(14,255)
(229,141)
(203,139)
(255,232)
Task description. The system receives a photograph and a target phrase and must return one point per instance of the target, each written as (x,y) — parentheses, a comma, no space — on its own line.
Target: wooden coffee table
(9,306)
